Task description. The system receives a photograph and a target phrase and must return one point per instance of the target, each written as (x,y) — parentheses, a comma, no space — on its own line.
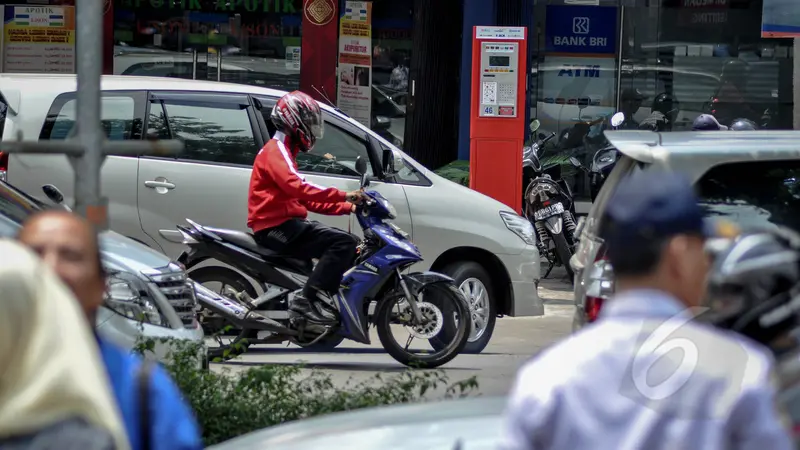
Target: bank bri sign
(581,29)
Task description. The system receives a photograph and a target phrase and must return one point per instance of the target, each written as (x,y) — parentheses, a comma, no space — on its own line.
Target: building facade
(701,55)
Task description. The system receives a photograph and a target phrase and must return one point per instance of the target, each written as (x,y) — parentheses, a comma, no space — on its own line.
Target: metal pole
(194,64)
(619,53)
(219,64)
(88,201)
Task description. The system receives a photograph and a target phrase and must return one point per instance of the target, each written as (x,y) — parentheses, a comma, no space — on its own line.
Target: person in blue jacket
(68,244)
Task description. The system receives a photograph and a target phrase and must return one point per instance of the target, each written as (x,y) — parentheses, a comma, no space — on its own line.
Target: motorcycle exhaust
(239,315)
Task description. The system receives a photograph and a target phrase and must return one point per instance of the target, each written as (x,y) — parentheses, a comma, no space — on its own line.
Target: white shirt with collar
(646,377)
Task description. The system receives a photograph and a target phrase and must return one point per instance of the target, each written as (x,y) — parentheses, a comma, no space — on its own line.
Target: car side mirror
(534,125)
(381,123)
(53,193)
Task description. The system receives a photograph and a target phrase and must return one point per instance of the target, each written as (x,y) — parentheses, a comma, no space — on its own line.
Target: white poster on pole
(355,62)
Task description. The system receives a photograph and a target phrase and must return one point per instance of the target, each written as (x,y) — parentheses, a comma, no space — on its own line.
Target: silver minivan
(750,178)
(488,248)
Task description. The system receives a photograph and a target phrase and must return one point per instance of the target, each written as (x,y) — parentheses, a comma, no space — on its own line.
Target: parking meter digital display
(499,79)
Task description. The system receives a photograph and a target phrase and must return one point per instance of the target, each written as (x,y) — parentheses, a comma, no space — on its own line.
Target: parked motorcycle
(428,303)
(603,161)
(548,204)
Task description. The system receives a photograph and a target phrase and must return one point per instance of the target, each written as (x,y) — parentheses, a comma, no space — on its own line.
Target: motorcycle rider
(279,200)
(664,111)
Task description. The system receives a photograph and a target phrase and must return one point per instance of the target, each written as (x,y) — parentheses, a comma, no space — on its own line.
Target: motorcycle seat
(248,242)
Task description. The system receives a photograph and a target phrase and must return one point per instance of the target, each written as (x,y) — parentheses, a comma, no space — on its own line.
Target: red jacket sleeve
(329,209)
(280,167)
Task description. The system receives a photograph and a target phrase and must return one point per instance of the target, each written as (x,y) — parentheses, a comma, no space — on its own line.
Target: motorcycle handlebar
(552,135)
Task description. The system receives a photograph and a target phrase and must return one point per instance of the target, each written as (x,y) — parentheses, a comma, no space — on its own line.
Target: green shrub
(231,404)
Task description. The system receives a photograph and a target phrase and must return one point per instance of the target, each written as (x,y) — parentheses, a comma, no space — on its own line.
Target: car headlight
(127,296)
(389,207)
(520,226)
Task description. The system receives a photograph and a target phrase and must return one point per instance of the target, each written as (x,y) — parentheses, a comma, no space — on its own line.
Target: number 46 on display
(488,110)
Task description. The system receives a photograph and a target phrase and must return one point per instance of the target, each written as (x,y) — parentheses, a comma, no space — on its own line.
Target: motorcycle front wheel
(439,304)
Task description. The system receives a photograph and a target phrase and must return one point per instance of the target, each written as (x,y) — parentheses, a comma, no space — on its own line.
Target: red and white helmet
(299,116)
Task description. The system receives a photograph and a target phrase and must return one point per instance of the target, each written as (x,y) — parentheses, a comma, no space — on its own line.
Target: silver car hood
(475,423)
(123,253)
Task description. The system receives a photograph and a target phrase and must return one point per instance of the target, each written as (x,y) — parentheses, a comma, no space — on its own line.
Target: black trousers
(306,239)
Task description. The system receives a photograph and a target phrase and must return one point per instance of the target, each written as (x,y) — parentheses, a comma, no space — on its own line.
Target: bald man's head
(68,244)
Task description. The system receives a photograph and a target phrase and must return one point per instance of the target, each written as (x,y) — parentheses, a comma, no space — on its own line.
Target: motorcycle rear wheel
(563,253)
(246,337)
(452,337)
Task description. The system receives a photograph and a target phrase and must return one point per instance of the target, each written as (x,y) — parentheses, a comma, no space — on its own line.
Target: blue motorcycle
(374,292)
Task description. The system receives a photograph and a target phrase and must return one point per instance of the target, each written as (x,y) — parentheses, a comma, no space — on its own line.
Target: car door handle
(159,184)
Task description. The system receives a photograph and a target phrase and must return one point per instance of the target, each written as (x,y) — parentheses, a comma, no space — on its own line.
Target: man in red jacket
(280,198)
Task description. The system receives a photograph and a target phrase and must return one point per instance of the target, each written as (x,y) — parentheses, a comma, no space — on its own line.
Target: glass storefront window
(705,58)
(246,41)
(662,63)
(573,83)
(391,60)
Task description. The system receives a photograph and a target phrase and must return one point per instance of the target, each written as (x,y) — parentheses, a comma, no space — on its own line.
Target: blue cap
(651,206)
(707,122)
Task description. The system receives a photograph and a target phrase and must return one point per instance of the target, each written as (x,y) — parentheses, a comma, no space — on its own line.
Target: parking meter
(497,118)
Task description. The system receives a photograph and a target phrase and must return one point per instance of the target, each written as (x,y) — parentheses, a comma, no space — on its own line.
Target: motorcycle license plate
(552,210)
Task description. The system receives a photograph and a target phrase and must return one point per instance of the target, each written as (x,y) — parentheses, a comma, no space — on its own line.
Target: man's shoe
(311,311)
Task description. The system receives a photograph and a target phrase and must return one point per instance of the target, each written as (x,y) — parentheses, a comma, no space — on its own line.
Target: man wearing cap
(707,122)
(646,375)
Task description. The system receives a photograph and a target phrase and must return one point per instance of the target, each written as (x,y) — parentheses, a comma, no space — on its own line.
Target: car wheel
(476,286)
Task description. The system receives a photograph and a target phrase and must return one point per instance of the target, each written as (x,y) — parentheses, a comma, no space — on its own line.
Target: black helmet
(743,125)
(666,104)
(631,95)
(754,288)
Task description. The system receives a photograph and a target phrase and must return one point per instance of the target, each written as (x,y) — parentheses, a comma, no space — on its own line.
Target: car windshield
(755,194)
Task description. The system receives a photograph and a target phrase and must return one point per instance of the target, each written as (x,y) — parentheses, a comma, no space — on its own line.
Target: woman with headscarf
(54,393)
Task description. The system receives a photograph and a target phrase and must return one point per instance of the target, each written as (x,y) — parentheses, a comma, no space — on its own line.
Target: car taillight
(600,287)
(593,305)
(3,166)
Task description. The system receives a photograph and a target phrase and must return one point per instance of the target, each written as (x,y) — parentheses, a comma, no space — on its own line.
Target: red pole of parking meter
(497,118)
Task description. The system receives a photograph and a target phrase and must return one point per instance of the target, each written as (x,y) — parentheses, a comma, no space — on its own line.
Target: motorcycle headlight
(127,296)
(519,226)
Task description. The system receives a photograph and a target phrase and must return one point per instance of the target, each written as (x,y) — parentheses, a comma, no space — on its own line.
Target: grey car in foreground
(148,295)
(448,425)
(750,178)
